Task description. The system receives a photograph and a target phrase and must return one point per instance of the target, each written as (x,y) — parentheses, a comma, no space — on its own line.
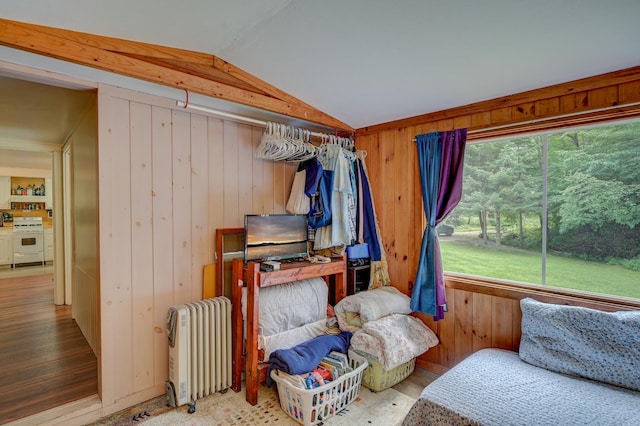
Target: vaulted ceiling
(364,62)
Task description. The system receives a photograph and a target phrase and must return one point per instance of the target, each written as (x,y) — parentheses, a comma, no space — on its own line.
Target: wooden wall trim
(612,89)
(542,293)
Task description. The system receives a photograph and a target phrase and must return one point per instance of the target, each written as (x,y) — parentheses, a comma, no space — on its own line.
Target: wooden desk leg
(236,314)
(340,286)
(251,373)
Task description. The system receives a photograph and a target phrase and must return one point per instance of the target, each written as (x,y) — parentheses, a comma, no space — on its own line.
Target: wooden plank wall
(84,198)
(476,318)
(168,179)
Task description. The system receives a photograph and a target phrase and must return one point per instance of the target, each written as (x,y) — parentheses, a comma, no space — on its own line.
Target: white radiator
(199,350)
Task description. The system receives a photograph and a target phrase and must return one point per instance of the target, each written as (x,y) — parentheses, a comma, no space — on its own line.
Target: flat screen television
(275,236)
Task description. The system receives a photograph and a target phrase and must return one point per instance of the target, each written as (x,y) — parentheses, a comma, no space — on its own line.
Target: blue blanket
(306,356)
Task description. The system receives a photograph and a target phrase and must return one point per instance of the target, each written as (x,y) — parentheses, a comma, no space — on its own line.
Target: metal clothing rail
(236,117)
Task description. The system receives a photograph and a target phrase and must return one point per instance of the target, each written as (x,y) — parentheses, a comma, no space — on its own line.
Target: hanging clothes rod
(236,117)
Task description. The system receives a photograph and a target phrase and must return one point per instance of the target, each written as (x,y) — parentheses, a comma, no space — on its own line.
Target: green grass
(516,265)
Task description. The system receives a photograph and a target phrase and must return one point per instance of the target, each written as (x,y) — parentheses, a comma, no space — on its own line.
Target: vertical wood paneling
(501,115)
(259,191)
(432,355)
(385,205)
(629,92)
(268,175)
(603,96)
(201,236)
(501,323)
(83,178)
(523,112)
(142,243)
(516,324)
(403,206)
(168,180)
(115,249)
(231,176)
(181,172)
(447,330)
(215,135)
(481,321)
(162,234)
(547,107)
(463,331)
(245,175)
(279,191)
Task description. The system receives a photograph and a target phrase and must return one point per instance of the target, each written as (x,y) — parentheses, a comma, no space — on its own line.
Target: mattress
(495,387)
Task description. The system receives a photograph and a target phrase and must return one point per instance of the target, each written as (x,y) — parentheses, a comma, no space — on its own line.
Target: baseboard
(74,413)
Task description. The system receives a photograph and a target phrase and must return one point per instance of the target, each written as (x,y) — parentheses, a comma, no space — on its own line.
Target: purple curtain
(440,156)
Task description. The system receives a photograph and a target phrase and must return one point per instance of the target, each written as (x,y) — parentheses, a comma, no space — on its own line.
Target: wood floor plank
(45,360)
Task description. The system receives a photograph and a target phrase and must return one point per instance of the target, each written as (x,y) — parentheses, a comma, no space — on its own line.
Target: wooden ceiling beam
(204,71)
(128,58)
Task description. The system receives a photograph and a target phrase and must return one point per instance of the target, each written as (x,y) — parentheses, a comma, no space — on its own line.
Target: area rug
(386,408)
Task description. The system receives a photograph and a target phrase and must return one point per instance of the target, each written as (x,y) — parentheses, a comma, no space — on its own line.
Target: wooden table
(255,279)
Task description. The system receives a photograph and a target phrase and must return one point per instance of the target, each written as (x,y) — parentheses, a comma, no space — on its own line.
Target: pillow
(355,310)
(596,345)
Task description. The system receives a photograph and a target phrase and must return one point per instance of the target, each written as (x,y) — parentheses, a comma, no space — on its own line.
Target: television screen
(275,236)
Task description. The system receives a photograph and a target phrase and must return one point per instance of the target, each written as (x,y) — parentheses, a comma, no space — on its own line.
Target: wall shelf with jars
(27,193)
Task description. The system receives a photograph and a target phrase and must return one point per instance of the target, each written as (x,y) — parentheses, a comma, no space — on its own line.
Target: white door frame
(68,229)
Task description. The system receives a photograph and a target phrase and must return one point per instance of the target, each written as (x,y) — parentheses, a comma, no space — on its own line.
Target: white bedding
(289,314)
(290,338)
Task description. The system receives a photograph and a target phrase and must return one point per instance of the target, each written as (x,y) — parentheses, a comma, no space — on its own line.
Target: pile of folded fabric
(384,333)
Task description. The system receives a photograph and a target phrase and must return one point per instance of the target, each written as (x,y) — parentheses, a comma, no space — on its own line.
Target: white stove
(27,224)
(28,240)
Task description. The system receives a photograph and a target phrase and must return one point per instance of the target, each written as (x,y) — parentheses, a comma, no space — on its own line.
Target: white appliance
(28,240)
(199,350)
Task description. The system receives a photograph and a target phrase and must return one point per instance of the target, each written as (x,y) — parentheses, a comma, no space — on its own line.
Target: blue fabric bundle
(306,356)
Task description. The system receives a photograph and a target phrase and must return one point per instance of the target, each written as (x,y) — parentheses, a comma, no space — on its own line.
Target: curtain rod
(237,117)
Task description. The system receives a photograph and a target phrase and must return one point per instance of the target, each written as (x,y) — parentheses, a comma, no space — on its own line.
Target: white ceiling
(371,61)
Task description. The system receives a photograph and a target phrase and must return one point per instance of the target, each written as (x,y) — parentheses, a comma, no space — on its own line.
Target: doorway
(54,333)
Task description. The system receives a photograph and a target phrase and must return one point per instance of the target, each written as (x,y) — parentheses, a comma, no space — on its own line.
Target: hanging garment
(299,202)
(339,232)
(379,270)
(318,186)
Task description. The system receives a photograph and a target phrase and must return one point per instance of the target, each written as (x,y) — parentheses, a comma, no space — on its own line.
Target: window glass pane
(593,211)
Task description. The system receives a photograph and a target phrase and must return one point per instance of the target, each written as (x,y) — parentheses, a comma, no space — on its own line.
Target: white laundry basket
(313,406)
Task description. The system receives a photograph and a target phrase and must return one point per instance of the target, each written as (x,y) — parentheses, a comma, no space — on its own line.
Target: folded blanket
(394,340)
(306,356)
(355,310)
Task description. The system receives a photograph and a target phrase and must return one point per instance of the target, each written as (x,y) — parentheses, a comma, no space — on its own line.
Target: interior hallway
(45,361)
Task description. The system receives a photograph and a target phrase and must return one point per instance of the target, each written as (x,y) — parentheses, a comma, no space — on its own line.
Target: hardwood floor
(44,359)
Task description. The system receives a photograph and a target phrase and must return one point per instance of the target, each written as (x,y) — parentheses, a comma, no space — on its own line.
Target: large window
(560,209)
